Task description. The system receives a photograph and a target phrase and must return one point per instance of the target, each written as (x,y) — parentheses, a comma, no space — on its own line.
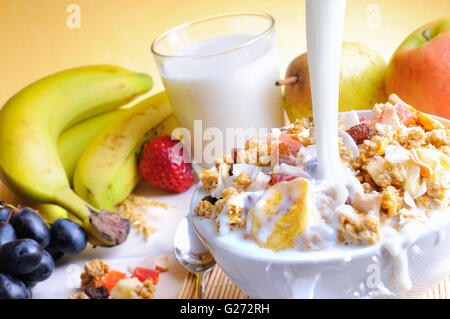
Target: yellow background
(35,40)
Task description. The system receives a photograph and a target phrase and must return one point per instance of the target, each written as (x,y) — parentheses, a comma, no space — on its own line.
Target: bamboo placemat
(219,286)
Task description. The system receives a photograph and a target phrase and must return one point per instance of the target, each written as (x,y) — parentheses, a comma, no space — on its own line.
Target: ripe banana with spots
(31,122)
(107,170)
(71,144)
(73,141)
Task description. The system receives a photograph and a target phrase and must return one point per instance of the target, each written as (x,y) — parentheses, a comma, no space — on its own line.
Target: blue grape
(20,256)
(12,288)
(7,233)
(53,251)
(68,237)
(28,224)
(42,272)
(5,211)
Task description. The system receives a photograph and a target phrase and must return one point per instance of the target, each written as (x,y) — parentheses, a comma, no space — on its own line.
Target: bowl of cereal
(279,231)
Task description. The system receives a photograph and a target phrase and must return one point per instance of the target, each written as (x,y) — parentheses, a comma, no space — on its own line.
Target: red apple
(419,70)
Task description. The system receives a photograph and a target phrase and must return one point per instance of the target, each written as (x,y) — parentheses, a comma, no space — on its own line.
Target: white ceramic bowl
(366,272)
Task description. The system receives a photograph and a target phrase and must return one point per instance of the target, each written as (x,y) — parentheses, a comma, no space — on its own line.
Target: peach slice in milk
(280,216)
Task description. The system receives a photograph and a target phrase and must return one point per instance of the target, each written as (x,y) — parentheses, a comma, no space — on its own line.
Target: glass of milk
(220,73)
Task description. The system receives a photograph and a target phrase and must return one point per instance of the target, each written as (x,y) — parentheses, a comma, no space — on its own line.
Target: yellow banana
(73,141)
(31,122)
(128,175)
(98,176)
(71,144)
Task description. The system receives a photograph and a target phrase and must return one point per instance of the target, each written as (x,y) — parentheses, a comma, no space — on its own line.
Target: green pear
(361,82)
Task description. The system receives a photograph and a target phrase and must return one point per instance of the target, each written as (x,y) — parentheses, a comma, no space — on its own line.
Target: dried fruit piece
(210,199)
(111,279)
(162,264)
(403,113)
(280,177)
(100,292)
(125,288)
(288,148)
(412,183)
(428,122)
(361,132)
(390,117)
(144,274)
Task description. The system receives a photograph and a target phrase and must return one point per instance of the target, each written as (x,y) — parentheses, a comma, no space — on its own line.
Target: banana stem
(104,228)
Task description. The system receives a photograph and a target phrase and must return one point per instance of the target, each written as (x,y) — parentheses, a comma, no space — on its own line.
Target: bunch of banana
(31,122)
(107,170)
(124,131)
(71,144)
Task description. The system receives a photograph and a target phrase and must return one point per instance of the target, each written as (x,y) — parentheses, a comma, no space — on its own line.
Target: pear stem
(289,80)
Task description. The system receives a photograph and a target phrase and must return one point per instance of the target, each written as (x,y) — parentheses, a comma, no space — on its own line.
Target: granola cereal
(128,287)
(397,167)
(93,273)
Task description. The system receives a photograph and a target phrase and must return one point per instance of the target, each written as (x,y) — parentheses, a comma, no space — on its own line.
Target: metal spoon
(192,254)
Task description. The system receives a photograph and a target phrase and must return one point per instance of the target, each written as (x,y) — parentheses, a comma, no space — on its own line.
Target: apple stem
(289,80)
(426,34)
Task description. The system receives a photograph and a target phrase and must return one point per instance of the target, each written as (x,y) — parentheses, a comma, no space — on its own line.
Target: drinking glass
(219,73)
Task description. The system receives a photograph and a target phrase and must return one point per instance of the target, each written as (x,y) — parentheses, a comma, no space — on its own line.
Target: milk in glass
(226,83)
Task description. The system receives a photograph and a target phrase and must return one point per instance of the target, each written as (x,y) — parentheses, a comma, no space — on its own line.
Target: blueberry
(20,256)
(5,211)
(68,237)
(7,233)
(28,224)
(12,288)
(42,272)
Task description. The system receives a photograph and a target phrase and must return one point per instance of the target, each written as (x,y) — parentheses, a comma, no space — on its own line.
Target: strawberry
(162,165)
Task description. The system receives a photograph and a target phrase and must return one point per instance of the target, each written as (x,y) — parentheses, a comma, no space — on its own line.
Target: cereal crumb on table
(129,209)
(141,201)
(93,273)
(146,291)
